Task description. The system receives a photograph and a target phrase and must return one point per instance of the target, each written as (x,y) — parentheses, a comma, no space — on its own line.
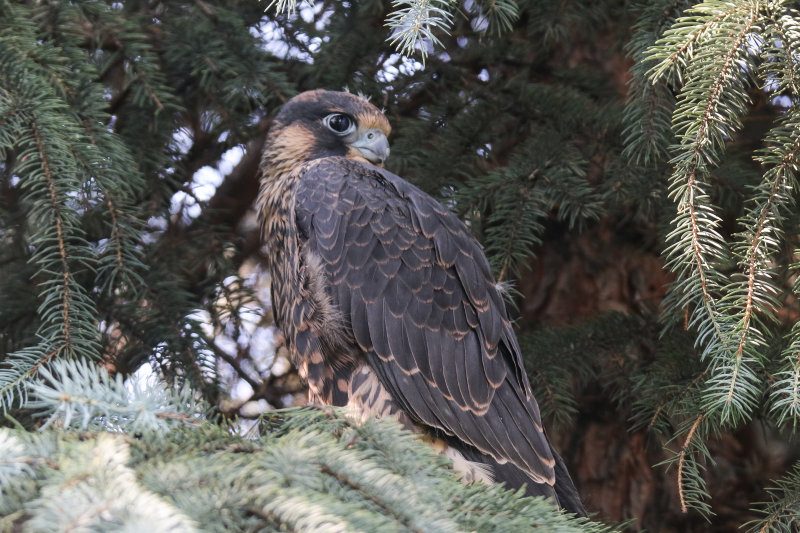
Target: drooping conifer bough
(387,301)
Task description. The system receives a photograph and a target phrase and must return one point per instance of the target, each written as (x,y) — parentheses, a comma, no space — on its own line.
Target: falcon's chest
(276,211)
(279,234)
(312,324)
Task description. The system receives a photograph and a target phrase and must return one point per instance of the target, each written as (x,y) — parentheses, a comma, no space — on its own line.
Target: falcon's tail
(563,493)
(568,497)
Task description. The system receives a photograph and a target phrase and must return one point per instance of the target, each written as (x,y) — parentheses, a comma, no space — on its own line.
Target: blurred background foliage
(629,166)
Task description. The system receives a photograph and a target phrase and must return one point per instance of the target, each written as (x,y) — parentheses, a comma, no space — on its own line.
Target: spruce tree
(631,169)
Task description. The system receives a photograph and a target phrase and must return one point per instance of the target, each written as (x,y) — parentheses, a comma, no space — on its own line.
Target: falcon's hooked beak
(372,145)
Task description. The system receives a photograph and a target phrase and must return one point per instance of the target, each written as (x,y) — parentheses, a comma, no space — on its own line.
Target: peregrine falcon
(387,301)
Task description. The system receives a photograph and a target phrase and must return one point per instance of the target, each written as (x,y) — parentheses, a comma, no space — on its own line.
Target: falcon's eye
(339,123)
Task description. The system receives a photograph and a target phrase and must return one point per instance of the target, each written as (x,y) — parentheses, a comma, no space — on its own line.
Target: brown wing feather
(417,294)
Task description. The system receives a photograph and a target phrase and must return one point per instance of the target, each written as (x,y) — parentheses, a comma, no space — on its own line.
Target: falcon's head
(321,123)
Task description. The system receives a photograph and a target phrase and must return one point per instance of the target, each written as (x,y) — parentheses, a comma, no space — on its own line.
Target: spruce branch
(677,49)
(92,488)
(709,111)
(781,68)
(119,264)
(414,24)
(499,15)
(68,164)
(14,461)
(670,384)
(690,461)
(712,54)
(649,105)
(546,176)
(782,512)
(78,394)
(17,371)
(311,470)
(760,244)
(62,249)
(288,7)
(785,392)
(687,480)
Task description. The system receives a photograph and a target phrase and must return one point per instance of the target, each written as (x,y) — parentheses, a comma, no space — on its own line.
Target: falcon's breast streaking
(387,301)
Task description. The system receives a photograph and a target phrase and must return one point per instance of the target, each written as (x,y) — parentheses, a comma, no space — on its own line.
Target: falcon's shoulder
(417,296)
